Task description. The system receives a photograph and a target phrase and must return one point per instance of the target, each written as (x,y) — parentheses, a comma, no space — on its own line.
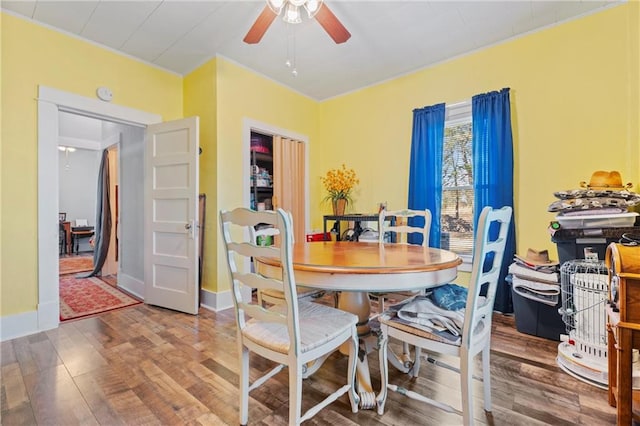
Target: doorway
(281,171)
(83,142)
(50,103)
(77,174)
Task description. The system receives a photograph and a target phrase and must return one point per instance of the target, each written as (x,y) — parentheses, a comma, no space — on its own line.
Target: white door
(171,209)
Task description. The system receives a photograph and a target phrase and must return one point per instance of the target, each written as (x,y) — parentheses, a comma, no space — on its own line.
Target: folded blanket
(421,310)
(551,300)
(536,290)
(523,272)
(451,297)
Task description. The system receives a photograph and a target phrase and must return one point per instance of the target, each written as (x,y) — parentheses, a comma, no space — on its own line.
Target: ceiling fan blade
(260,27)
(332,25)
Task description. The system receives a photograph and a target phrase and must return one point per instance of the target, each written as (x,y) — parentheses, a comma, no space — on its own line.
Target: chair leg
(295,394)
(354,398)
(466,386)
(486,377)
(415,371)
(244,384)
(381,399)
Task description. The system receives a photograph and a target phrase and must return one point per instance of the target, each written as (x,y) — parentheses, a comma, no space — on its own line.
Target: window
(457,181)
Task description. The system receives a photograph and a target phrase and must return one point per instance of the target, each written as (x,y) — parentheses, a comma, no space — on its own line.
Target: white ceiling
(388,38)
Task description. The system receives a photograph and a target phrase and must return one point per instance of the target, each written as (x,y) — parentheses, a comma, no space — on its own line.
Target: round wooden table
(357,269)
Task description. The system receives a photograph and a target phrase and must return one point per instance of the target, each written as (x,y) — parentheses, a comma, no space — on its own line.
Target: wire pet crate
(583,351)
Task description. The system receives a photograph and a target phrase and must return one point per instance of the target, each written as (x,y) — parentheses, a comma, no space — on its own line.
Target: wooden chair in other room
(406,222)
(62,238)
(476,331)
(267,235)
(292,333)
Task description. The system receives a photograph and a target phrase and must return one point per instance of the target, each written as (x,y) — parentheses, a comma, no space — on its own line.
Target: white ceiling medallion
(104,94)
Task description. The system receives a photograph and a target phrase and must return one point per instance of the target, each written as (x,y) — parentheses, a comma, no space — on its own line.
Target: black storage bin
(537,318)
(572,242)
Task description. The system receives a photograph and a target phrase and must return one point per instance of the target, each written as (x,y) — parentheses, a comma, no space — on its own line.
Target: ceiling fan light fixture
(312,7)
(291,11)
(276,5)
(291,14)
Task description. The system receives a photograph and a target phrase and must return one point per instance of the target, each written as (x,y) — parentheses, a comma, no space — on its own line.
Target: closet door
(289,181)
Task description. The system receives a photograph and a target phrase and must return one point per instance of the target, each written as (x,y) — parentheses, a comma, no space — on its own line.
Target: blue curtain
(425,168)
(493,172)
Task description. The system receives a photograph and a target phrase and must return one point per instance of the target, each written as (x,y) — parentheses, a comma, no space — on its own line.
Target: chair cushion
(318,325)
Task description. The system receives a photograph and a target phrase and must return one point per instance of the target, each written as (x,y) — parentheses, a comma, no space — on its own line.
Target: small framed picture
(62,217)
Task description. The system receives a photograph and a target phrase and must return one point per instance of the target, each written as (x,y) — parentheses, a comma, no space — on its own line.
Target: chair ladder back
(247,248)
(407,222)
(481,309)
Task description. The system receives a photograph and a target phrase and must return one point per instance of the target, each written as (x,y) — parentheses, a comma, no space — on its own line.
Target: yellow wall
(200,99)
(223,95)
(31,56)
(574,95)
(244,94)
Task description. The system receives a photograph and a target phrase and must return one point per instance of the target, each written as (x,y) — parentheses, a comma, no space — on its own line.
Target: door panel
(289,178)
(171,205)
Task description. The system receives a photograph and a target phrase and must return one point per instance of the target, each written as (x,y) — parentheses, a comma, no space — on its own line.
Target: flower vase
(338,206)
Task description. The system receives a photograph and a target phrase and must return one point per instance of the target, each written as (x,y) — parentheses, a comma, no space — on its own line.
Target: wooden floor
(146,365)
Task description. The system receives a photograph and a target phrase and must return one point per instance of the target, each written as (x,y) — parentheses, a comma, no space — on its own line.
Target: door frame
(249,126)
(50,102)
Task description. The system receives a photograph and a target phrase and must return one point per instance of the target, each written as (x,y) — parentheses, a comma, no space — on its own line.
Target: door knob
(187,226)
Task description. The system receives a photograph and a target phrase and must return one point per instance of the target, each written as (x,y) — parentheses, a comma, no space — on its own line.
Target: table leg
(358,304)
(624,380)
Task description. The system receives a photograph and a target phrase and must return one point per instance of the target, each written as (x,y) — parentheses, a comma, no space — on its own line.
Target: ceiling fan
(291,13)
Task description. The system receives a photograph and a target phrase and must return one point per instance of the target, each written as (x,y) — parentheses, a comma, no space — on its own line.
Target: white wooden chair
(476,331)
(401,231)
(264,233)
(292,333)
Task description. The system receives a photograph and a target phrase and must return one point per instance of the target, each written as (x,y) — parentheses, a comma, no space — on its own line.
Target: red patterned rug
(80,297)
(72,265)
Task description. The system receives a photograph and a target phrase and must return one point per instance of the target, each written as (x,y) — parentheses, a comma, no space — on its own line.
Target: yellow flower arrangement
(339,183)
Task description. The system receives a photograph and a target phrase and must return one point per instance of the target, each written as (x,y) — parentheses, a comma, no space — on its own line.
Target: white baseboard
(49,315)
(221,300)
(19,325)
(26,323)
(131,285)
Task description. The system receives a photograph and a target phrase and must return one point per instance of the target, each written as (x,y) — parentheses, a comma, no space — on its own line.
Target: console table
(356,218)
(76,235)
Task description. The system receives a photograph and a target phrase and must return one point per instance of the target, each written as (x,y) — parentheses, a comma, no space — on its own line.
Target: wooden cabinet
(261,179)
(623,329)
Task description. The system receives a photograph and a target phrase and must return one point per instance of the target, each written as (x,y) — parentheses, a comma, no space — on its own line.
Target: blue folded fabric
(449,296)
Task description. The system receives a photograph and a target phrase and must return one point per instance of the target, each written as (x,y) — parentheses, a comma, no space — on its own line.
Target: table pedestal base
(358,303)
